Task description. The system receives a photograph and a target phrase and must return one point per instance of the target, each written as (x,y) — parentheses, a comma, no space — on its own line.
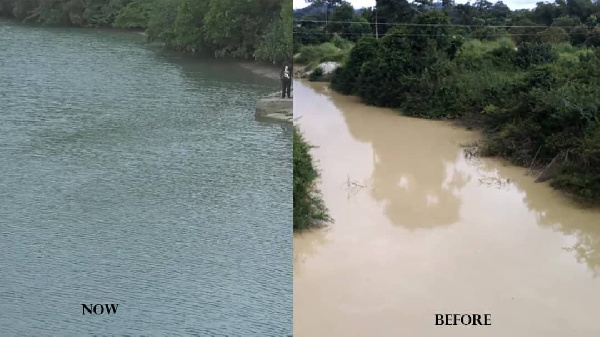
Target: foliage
(345,78)
(335,51)
(530,54)
(553,35)
(259,29)
(534,106)
(277,44)
(309,209)
(578,35)
(314,54)
(316,74)
(593,38)
(236,27)
(135,15)
(308,33)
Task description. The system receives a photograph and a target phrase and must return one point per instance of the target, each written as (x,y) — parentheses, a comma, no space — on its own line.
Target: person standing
(286,81)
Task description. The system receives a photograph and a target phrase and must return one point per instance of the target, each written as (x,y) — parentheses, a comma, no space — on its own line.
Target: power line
(431,24)
(398,34)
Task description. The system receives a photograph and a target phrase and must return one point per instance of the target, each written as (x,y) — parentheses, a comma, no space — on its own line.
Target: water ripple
(134,176)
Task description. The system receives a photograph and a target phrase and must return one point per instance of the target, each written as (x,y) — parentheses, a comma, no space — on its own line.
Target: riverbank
(538,112)
(249,30)
(309,209)
(422,228)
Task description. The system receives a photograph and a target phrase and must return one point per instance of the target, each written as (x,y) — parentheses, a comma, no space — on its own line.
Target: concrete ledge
(275,108)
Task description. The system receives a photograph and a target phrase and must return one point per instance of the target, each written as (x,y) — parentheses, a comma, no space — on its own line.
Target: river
(136,176)
(421,229)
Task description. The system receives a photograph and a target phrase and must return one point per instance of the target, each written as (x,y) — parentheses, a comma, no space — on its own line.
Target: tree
(393,11)
(343,13)
(235,27)
(277,45)
(553,35)
(498,13)
(545,13)
(328,4)
(593,38)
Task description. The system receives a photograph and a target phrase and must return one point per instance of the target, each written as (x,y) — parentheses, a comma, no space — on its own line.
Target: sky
(513,4)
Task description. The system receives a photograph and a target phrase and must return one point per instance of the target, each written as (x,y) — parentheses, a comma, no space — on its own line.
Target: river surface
(420,230)
(134,176)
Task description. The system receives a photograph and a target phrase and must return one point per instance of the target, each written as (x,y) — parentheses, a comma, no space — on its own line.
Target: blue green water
(140,177)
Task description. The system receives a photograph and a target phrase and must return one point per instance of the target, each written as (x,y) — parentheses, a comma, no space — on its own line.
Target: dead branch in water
(352,187)
(533,160)
(471,150)
(352,184)
(548,171)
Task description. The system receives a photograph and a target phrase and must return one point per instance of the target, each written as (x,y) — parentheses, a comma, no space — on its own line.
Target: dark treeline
(259,29)
(572,20)
(533,85)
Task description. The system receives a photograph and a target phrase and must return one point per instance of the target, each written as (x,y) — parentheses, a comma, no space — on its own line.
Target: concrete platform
(275,108)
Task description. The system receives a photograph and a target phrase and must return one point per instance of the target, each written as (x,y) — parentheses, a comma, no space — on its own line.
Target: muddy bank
(262,69)
(422,229)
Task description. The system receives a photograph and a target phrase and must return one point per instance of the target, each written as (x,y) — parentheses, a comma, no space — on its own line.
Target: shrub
(553,35)
(309,209)
(316,74)
(578,35)
(314,53)
(489,33)
(345,77)
(593,38)
(531,108)
(530,54)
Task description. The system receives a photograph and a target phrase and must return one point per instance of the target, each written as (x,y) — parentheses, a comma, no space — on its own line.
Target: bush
(316,74)
(532,108)
(135,15)
(489,33)
(553,35)
(530,54)
(578,35)
(309,209)
(593,38)
(345,77)
(341,43)
(527,33)
(314,53)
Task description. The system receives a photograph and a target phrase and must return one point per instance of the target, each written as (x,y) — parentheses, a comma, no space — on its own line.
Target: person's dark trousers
(286,88)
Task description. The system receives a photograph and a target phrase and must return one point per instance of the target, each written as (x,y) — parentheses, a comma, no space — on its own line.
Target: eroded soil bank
(420,229)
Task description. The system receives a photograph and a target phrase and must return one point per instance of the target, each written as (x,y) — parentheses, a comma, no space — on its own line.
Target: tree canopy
(259,29)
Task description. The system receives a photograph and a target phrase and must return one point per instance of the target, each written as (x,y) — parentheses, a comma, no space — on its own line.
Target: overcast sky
(513,4)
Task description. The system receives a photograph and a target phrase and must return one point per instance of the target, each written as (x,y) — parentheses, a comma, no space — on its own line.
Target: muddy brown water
(422,230)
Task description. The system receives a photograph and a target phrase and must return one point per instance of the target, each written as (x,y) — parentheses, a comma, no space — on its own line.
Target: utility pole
(376,25)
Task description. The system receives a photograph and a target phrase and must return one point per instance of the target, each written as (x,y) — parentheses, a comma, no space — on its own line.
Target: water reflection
(431,169)
(554,210)
(417,179)
(434,231)
(306,245)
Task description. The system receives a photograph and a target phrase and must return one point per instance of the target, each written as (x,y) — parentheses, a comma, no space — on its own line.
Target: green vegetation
(335,50)
(316,74)
(309,209)
(534,90)
(260,29)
